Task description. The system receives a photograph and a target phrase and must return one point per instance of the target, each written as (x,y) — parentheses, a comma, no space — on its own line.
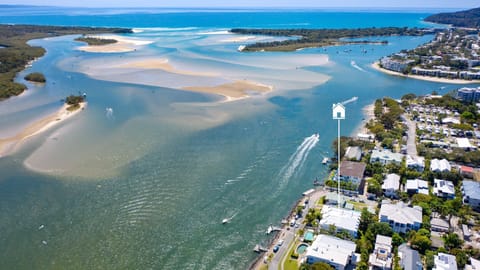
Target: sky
(440,4)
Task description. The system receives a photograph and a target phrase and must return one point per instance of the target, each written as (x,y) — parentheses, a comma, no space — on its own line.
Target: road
(288,233)
(412,134)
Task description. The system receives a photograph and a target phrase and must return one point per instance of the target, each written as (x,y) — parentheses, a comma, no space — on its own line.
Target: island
(314,38)
(74,102)
(95,41)
(35,77)
(467,18)
(16,54)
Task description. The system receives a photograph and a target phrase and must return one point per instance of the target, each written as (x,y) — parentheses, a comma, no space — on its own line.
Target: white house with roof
(353,152)
(445,261)
(465,144)
(391,185)
(400,217)
(331,250)
(437,165)
(381,258)
(386,156)
(409,258)
(414,186)
(342,219)
(443,189)
(416,163)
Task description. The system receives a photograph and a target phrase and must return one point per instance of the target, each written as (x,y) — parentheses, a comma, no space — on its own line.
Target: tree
(366,218)
(452,241)
(316,266)
(397,240)
(462,258)
(421,243)
(381,228)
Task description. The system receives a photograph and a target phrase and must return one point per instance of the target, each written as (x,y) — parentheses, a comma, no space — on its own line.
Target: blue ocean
(142,178)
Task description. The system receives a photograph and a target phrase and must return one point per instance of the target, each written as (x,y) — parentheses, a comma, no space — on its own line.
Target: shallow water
(147,185)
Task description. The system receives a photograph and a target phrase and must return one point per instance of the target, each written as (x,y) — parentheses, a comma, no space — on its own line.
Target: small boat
(316,182)
(241,48)
(225,220)
(269,229)
(325,160)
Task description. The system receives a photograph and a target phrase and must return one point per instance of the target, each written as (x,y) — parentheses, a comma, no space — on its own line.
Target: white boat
(269,229)
(225,220)
(325,160)
(240,48)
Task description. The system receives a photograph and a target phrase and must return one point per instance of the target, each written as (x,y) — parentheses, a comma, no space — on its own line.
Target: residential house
(414,186)
(391,185)
(474,264)
(409,258)
(385,157)
(439,225)
(416,163)
(466,171)
(443,189)
(342,219)
(445,261)
(400,217)
(464,143)
(352,171)
(471,193)
(353,153)
(331,250)
(437,165)
(381,258)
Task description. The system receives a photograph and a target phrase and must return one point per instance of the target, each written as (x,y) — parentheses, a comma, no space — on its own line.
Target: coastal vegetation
(310,38)
(35,77)
(16,53)
(467,18)
(95,41)
(74,102)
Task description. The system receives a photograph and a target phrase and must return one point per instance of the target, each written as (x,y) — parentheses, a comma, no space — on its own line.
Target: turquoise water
(148,187)
(301,248)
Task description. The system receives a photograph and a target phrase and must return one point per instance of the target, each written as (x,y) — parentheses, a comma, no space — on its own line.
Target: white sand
(123,44)
(8,145)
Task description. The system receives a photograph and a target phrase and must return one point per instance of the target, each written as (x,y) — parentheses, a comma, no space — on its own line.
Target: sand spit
(123,44)
(162,64)
(8,145)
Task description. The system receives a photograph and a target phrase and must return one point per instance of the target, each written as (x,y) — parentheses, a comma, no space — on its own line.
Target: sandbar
(238,39)
(162,64)
(233,91)
(123,44)
(377,67)
(8,145)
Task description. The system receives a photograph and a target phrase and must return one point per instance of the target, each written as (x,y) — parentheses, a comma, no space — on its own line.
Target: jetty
(259,248)
(271,229)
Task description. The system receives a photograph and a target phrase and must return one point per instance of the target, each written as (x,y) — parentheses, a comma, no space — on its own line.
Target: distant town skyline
(465,4)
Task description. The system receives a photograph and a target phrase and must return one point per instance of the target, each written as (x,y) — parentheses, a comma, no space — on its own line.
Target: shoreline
(122,45)
(9,145)
(368,115)
(377,67)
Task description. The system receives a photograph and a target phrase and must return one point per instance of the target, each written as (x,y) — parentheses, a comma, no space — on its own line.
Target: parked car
(275,248)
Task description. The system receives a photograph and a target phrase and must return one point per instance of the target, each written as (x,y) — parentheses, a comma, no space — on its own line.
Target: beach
(377,67)
(123,44)
(8,145)
(368,114)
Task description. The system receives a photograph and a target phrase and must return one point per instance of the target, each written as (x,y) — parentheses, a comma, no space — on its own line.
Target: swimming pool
(301,248)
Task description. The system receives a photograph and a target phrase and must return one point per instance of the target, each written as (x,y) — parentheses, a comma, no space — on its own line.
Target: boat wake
(353,64)
(297,159)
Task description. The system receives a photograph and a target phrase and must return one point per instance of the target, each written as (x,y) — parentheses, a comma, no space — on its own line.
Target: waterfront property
(353,153)
(331,250)
(391,185)
(352,171)
(468,94)
(400,217)
(471,193)
(445,261)
(414,186)
(385,157)
(444,189)
(342,219)
(381,258)
(409,258)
